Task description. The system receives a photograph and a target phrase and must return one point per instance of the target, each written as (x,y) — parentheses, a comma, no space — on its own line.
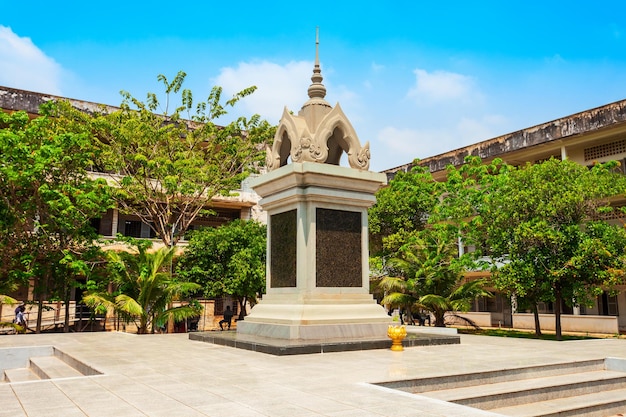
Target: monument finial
(317,89)
(317,46)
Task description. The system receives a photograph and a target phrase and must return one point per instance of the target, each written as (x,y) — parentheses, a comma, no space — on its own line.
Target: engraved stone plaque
(283,249)
(338,242)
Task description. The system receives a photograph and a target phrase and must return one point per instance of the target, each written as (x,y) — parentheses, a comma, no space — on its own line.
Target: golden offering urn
(397,334)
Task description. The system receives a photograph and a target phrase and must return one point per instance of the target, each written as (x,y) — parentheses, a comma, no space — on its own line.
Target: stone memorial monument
(317,268)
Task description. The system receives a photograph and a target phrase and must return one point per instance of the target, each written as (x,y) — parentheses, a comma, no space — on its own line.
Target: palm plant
(427,275)
(145,289)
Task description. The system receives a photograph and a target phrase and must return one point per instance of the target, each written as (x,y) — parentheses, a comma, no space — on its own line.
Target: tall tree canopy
(402,209)
(541,220)
(166,169)
(417,249)
(47,200)
(227,260)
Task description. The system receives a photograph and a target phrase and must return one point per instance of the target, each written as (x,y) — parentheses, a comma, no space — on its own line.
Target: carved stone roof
(319,133)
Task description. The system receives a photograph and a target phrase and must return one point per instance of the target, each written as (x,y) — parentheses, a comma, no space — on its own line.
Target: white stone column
(114,222)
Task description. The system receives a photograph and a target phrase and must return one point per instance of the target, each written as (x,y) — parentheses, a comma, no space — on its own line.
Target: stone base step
(598,404)
(20,375)
(593,388)
(50,367)
(423,385)
(510,393)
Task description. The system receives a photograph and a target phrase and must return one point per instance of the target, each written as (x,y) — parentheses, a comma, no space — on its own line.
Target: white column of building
(114,222)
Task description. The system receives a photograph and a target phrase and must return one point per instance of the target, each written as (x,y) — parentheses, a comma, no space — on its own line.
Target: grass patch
(521,334)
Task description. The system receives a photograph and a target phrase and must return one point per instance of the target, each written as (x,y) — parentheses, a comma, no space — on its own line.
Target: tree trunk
(557,312)
(242,307)
(439,318)
(39,299)
(143,326)
(537,323)
(39,311)
(66,318)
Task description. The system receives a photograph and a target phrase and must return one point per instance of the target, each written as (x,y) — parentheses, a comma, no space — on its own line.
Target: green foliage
(47,198)
(537,219)
(520,334)
(145,288)
(429,275)
(416,244)
(166,169)
(401,210)
(227,260)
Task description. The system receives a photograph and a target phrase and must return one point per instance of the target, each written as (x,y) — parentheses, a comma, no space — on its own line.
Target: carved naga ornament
(319,133)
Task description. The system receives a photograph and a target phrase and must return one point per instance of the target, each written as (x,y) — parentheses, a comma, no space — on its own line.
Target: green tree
(538,220)
(401,210)
(47,198)
(428,275)
(166,169)
(145,289)
(227,260)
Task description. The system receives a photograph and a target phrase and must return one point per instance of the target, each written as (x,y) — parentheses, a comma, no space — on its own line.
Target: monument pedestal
(318,272)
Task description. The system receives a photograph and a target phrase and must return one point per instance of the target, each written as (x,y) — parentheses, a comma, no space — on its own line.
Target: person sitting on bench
(228,316)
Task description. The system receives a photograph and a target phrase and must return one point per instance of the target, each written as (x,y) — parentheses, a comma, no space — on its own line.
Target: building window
(95,224)
(607,149)
(132,228)
(220,305)
(490,304)
(607,304)
(153,234)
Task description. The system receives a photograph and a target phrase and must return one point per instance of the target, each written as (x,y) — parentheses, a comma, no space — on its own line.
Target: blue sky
(415,78)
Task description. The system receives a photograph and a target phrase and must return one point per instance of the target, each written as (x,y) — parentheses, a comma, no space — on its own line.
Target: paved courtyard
(170,375)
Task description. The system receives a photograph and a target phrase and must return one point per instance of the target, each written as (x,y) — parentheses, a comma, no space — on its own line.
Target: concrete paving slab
(170,375)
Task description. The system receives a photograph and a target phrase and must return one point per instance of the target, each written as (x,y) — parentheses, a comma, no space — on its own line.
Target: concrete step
(20,375)
(517,392)
(598,404)
(595,388)
(50,367)
(422,385)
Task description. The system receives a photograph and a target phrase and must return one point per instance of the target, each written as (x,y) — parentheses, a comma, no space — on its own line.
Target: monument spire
(319,133)
(317,89)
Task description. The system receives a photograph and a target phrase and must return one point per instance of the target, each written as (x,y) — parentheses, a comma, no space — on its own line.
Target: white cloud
(23,65)
(376,68)
(397,146)
(440,86)
(476,130)
(416,143)
(277,86)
